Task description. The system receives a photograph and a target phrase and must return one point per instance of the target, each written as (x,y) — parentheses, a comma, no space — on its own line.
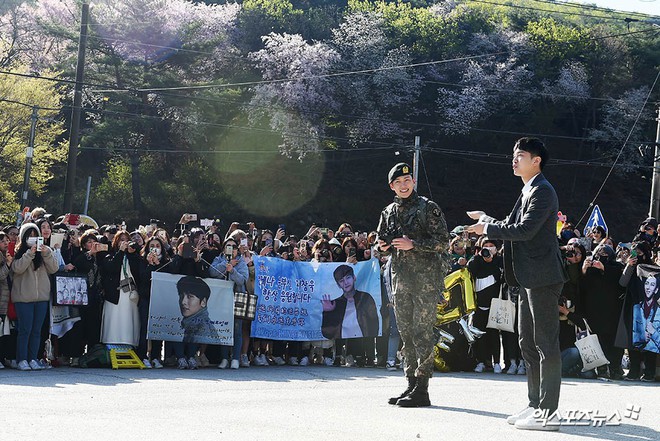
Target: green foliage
(15,121)
(426,33)
(197,147)
(555,42)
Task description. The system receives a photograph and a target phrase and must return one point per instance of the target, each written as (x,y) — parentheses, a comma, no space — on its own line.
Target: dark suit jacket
(366,314)
(531,251)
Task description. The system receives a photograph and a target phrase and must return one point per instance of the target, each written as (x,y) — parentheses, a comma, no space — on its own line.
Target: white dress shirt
(526,189)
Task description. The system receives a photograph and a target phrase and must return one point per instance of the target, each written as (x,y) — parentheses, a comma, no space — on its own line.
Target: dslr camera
(570,251)
(390,234)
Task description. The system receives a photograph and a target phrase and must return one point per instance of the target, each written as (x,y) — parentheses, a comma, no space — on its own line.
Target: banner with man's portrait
(305,301)
(645,285)
(191,309)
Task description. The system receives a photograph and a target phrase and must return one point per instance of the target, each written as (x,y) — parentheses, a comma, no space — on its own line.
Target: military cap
(401,169)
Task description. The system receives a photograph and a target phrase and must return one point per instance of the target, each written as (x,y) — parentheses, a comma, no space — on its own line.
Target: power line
(329,75)
(249,128)
(469,155)
(361,72)
(529,8)
(639,115)
(487,158)
(5,100)
(105,88)
(157,46)
(593,8)
(136,116)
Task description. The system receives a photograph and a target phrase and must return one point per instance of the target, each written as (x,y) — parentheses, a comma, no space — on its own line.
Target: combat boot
(419,397)
(411,385)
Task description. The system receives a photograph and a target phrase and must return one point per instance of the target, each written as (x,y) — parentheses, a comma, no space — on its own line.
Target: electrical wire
(5,100)
(529,8)
(428,184)
(329,75)
(593,8)
(639,115)
(136,116)
(106,88)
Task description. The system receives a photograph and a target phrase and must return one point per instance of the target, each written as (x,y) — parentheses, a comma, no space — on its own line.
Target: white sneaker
(2,365)
(23,366)
(44,364)
(526,412)
(279,361)
(192,363)
(521,369)
(223,364)
(203,361)
(293,361)
(327,361)
(532,423)
(245,361)
(147,363)
(156,364)
(304,361)
(497,368)
(35,366)
(390,365)
(480,368)
(13,364)
(234,364)
(513,368)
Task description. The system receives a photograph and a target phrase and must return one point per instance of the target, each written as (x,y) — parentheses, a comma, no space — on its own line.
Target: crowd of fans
(118,262)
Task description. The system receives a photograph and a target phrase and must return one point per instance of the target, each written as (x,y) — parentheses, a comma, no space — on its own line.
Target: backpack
(98,356)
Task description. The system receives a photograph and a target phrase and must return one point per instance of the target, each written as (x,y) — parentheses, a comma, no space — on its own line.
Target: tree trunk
(135,182)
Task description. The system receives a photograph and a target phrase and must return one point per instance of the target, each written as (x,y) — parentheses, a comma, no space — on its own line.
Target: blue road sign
(595,218)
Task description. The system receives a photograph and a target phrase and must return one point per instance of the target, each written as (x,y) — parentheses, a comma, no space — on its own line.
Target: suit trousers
(538,328)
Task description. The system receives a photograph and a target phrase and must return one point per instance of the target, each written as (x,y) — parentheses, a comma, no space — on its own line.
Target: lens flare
(258,178)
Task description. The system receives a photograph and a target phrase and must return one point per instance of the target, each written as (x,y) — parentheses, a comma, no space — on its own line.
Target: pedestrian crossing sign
(595,219)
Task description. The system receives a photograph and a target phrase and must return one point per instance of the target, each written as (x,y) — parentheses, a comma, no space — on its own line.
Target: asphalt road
(300,403)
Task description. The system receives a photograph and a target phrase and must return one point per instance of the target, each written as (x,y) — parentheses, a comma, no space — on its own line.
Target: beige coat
(30,285)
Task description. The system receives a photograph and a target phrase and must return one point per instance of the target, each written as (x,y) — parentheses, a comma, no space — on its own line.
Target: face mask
(647,237)
(156,251)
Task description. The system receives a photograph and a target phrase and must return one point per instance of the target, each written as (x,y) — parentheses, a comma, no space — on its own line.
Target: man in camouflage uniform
(413,230)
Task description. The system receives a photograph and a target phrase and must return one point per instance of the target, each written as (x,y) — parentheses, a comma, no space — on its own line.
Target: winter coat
(29,284)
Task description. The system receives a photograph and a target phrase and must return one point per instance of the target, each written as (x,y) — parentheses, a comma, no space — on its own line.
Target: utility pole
(416,161)
(74,136)
(29,153)
(655,185)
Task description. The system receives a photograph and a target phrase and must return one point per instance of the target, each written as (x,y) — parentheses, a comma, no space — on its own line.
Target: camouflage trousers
(415,316)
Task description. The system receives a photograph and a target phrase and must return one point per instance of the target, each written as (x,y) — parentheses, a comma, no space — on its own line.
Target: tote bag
(589,347)
(502,314)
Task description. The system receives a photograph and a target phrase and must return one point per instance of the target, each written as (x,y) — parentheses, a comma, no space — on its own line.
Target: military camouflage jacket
(423,222)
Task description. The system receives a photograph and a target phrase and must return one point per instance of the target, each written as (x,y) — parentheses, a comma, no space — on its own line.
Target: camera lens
(485,253)
(570,254)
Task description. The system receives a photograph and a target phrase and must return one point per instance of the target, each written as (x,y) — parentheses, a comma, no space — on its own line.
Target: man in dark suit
(353,314)
(532,260)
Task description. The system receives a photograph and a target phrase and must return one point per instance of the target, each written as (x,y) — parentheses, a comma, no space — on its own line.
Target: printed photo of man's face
(190,304)
(347,283)
(650,286)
